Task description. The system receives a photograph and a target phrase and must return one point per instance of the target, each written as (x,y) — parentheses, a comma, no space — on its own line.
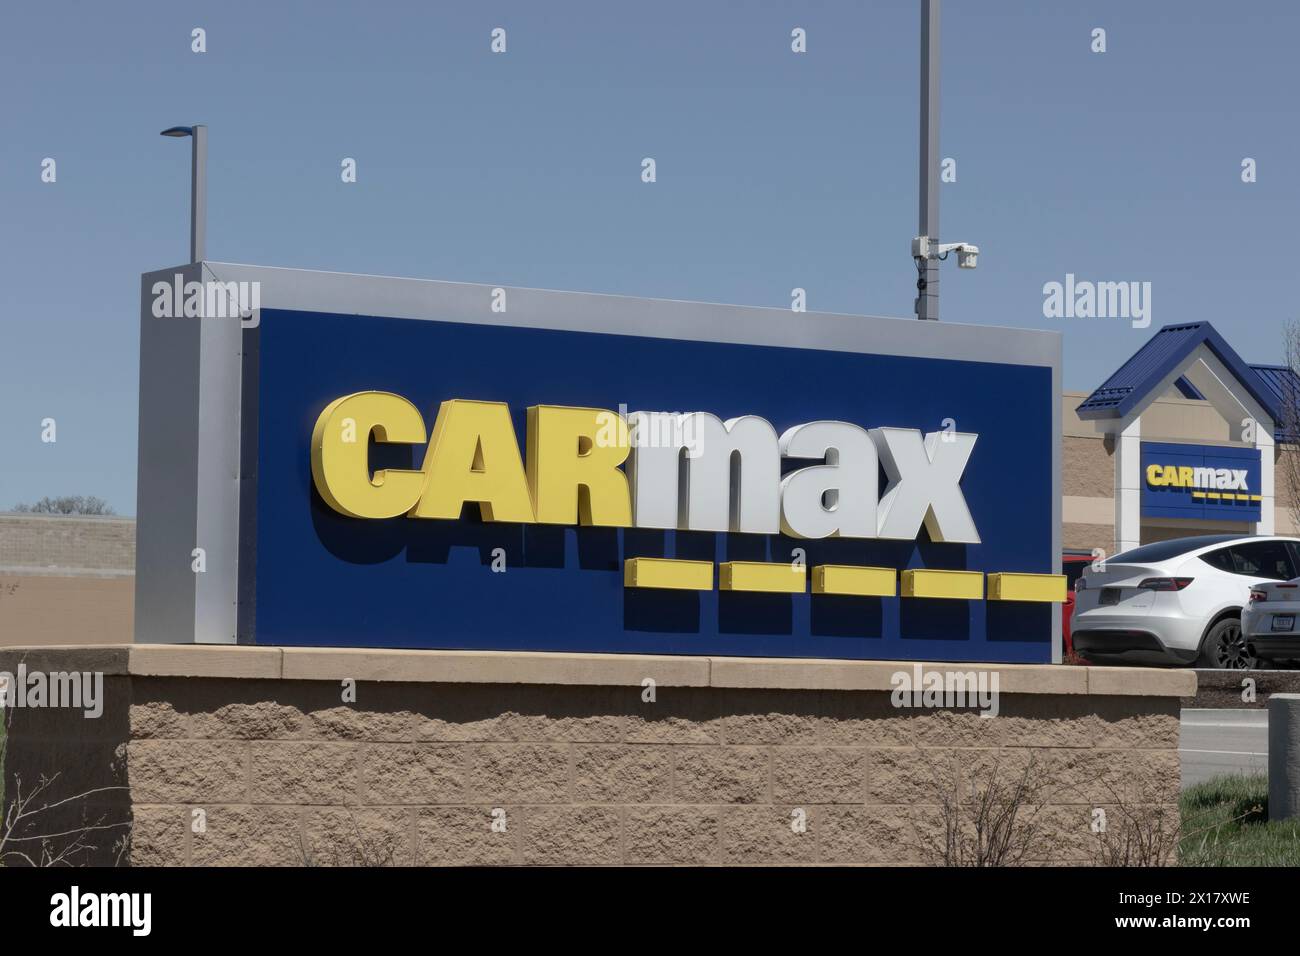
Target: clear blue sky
(775,170)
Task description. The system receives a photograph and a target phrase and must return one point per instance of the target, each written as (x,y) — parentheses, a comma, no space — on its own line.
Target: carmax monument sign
(397,463)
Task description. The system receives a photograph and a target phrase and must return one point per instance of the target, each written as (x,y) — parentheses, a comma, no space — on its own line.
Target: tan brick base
(270,770)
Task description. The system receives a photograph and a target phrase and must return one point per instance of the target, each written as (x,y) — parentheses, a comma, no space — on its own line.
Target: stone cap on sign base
(572,669)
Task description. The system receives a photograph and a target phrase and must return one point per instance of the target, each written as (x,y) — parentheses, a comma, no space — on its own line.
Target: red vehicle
(1073,564)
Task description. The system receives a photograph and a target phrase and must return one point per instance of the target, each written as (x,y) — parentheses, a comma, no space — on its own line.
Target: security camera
(923,247)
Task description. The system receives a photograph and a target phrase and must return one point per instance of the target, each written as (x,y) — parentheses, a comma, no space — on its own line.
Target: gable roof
(1165,351)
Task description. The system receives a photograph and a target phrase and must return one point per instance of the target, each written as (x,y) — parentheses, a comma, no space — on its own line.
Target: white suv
(1178,602)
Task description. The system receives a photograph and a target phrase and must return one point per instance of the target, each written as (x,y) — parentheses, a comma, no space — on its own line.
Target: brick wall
(286,773)
(1088,468)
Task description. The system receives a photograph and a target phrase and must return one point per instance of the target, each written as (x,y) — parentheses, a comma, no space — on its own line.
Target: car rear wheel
(1224,648)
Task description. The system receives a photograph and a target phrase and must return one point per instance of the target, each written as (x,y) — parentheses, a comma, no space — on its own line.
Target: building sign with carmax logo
(1200,482)
(429,464)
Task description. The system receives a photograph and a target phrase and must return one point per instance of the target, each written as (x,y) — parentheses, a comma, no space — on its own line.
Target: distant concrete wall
(66,579)
(251,756)
(74,543)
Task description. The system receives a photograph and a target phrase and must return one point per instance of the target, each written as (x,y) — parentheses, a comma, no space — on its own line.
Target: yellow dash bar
(1256,497)
(782,578)
(1212,494)
(1009,586)
(860,582)
(668,573)
(1198,494)
(925,583)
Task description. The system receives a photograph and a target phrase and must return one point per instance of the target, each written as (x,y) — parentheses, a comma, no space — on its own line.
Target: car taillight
(1165,584)
(1257,595)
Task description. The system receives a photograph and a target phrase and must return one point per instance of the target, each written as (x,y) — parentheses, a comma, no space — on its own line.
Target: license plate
(1108,596)
(1284,622)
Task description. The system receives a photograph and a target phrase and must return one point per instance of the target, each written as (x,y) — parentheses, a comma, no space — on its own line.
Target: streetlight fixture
(198,184)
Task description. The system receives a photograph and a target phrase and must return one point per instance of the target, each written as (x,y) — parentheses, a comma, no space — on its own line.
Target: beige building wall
(1286,489)
(66,579)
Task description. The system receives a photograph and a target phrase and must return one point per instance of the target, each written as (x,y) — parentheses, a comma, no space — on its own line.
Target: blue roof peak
(1155,361)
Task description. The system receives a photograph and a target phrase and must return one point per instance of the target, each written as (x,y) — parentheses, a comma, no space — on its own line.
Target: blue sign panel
(312,573)
(1202,482)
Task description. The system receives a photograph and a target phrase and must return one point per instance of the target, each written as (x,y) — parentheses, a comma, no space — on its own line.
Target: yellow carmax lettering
(574,456)
(474,456)
(1184,476)
(1155,475)
(340,458)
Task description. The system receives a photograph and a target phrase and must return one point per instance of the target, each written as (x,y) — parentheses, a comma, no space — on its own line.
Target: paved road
(1222,741)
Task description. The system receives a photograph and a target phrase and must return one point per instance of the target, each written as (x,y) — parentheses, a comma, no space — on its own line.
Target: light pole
(198,185)
(927,268)
(926,248)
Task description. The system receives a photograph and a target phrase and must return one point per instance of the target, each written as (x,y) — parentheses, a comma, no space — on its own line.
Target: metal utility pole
(927,283)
